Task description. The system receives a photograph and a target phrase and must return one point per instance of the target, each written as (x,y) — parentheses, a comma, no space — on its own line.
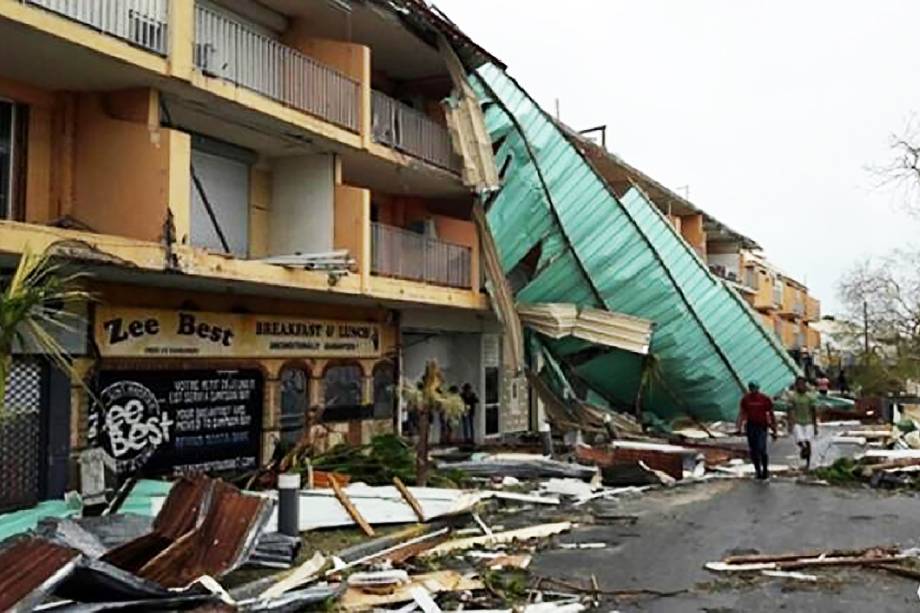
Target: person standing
(470,399)
(803,419)
(754,418)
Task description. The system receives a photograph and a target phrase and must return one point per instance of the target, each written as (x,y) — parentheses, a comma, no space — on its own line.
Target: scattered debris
(436,582)
(523,534)
(30,569)
(299,576)
(521,466)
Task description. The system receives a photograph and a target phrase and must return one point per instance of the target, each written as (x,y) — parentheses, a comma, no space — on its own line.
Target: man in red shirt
(755,416)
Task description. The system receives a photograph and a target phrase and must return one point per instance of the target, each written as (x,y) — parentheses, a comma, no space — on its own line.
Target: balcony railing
(140,22)
(234,51)
(404,128)
(403,254)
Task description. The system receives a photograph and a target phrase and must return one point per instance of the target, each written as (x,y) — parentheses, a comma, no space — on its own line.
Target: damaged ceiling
(563,235)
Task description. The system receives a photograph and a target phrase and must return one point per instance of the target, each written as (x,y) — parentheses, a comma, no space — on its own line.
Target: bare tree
(882,296)
(902,172)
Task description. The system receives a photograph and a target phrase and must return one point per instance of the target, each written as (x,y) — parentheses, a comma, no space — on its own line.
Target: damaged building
(287,209)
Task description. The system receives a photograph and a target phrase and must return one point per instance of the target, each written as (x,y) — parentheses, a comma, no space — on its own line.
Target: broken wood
(409,498)
(523,534)
(355,599)
(605,592)
(783,557)
(901,571)
(866,561)
(350,507)
(297,577)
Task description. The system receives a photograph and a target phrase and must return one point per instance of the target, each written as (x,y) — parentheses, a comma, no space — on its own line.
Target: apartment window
(220,199)
(13,121)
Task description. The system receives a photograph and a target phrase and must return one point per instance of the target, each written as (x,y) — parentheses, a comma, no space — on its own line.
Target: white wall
(302,217)
(226,185)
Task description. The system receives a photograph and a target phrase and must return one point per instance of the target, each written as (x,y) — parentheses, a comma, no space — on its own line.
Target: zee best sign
(163,334)
(175,421)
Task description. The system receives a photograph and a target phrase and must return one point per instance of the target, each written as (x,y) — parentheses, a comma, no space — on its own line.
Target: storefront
(468,349)
(182,390)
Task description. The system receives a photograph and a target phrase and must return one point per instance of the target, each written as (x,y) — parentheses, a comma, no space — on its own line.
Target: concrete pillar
(271,409)
(181,32)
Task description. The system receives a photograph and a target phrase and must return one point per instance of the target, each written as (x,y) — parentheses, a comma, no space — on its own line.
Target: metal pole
(289,504)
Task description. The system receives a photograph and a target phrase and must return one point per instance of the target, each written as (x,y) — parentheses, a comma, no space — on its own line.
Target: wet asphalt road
(680,529)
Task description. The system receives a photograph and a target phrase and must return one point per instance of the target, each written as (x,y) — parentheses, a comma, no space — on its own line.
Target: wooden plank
(409,498)
(350,507)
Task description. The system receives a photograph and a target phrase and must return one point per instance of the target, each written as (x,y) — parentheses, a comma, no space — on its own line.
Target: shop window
(342,386)
(295,400)
(384,390)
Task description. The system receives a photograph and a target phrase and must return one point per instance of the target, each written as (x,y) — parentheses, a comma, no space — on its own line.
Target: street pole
(866,331)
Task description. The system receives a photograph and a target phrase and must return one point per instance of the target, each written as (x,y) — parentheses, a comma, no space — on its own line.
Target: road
(680,529)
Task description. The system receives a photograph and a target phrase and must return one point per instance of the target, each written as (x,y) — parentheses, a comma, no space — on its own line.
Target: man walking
(803,418)
(755,416)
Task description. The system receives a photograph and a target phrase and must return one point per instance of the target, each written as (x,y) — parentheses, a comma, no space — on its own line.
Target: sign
(177,421)
(170,334)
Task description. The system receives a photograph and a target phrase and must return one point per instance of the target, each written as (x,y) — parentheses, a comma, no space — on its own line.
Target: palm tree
(37,303)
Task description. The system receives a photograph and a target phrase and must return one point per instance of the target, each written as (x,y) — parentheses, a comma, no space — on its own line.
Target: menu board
(179,421)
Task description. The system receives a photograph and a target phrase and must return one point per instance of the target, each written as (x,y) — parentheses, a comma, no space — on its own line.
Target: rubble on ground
(201,542)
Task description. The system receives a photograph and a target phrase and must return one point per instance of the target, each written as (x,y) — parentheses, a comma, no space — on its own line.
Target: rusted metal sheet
(206,527)
(30,569)
(182,512)
(220,544)
(669,463)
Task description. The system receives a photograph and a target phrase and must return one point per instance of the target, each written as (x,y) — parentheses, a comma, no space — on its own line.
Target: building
(785,304)
(274,216)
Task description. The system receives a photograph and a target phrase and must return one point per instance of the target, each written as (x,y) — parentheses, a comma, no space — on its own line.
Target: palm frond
(37,302)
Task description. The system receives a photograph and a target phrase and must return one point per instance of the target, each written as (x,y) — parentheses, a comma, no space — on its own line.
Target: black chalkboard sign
(179,421)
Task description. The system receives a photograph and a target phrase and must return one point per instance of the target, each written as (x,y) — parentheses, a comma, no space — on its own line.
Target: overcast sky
(770,111)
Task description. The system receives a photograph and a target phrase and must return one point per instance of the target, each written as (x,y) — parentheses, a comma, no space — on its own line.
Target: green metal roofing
(620,254)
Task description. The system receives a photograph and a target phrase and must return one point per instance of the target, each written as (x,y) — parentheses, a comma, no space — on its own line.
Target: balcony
(404,254)
(410,131)
(139,22)
(231,50)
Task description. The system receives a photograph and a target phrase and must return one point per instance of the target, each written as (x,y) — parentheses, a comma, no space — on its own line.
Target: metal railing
(402,127)
(404,254)
(140,22)
(237,52)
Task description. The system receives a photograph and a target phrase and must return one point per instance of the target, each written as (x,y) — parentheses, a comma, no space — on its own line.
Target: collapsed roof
(563,235)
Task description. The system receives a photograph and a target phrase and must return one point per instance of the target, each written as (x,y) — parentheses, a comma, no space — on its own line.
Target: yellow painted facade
(784,304)
(108,185)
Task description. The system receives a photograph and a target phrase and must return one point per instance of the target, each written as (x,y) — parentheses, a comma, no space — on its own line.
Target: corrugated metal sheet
(182,512)
(559,320)
(596,250)
(206,527)
(220,544)
(30,569)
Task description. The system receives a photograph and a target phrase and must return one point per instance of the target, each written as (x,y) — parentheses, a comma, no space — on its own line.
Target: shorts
(803,433)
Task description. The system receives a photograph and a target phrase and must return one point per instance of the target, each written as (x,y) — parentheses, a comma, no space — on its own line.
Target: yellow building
(272,209)
(784,304)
